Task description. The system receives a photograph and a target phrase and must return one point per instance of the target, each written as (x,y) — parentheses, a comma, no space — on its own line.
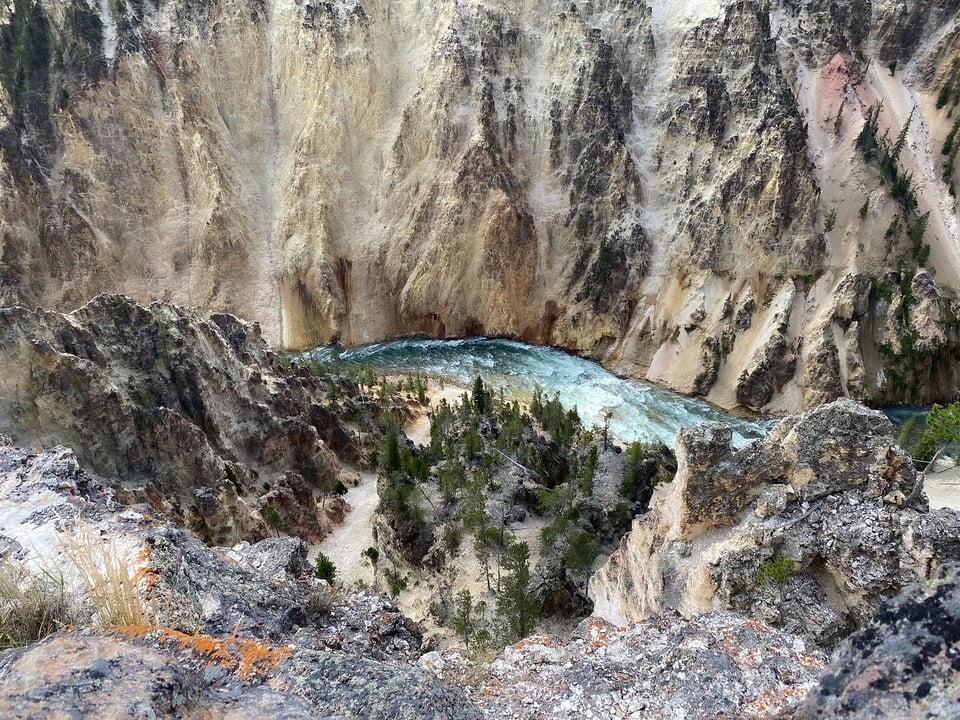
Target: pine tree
(480,398)
(516,607)
(902,138)
(271,516)
(465,619)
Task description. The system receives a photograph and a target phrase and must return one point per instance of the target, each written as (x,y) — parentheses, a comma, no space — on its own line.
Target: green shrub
(271,516)
(396,582)
(589,471)
(468,616)
(324,568)
(830,221)
(909,434)
(943,96)
(25,52)
(581,552)
(943,428)
(775,570)
(452,538)
(480,397)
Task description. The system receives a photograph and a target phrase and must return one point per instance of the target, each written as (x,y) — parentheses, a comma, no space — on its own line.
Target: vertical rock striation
(648,186)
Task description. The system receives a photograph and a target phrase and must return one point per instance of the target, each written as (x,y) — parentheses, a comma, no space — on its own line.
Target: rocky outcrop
(884,340)
(809,529)
(713,665)
(902,664)
(230,632)
(248,631)
(613,177)
(166,674)
(196,417)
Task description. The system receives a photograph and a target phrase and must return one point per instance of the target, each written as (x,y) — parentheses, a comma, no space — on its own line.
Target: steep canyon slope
(676,189)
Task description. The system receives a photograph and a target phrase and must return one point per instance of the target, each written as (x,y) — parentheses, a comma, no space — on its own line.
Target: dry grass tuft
(31,606)
(110,575)
(321,601)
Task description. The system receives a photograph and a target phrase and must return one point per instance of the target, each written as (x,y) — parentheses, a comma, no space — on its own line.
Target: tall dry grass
(109,573)
(31,606)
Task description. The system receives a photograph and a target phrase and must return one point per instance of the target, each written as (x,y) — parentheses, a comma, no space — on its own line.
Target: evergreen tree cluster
(876,147)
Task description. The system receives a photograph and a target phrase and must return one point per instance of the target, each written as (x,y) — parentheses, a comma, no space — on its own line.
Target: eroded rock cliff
(674,189)
(196,417)
(809,529)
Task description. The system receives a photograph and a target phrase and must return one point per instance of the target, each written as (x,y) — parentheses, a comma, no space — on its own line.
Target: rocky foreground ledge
(248,632)
(722,601)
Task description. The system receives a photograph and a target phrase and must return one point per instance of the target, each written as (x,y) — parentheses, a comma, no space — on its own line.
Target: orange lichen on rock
(536,640)
(771,703)
(809,661)
(598,633)
(243,656)
(145,570)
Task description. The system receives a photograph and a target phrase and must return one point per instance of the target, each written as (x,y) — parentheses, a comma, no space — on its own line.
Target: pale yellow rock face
(643,183)
(827,497)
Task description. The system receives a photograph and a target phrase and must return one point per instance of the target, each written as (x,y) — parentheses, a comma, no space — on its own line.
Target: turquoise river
(639,410)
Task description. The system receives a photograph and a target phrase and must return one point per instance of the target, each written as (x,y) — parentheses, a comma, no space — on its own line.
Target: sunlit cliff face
(672,188)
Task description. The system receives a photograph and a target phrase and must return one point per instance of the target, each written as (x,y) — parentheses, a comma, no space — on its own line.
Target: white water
(110,37)
(640,411)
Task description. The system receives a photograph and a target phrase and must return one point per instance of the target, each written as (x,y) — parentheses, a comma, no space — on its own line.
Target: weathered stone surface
(776,364)
(230,632)
(353,687)
(826,497)
(905,663)
(710,495)
(195,417)
(580,174)
(234,633)
(159,673)
(712,665)
(96,675)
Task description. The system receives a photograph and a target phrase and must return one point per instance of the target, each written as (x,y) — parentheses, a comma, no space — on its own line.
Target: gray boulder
(905,663)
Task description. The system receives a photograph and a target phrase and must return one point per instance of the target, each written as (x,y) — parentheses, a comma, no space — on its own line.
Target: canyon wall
(681,192)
